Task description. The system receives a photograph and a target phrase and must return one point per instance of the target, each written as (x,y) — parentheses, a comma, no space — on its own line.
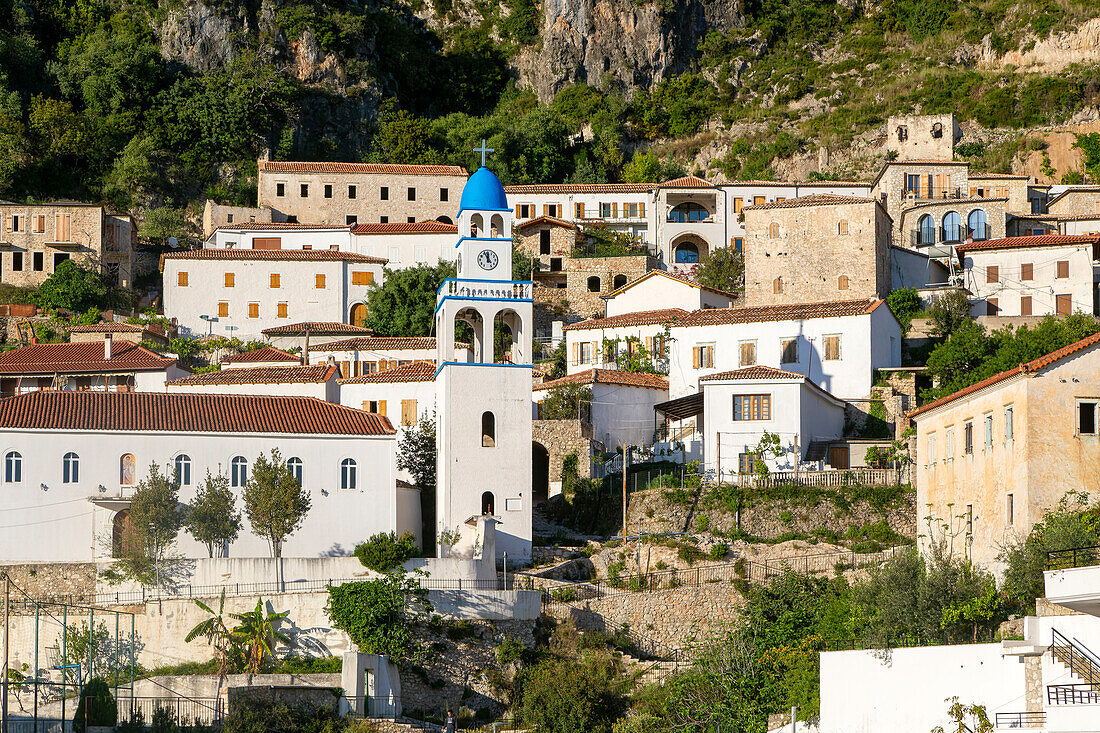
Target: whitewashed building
(318,382)
(242,292)
(1033,276)
(369,354)
(73,459)
(294,335)
(585,341)
(837,345)
(660,290)
(104,365)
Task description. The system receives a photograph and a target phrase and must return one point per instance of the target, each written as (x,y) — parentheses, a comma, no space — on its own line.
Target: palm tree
(216,632)
(256,635)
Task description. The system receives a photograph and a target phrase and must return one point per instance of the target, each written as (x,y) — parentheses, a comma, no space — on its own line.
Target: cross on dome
(483,150)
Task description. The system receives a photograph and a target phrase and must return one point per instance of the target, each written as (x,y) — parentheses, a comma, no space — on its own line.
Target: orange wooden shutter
(382,408)
(695,352)
(282,310)
(576,353)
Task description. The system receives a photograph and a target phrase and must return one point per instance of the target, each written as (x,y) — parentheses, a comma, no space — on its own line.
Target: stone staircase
(1080,662)
(648,671)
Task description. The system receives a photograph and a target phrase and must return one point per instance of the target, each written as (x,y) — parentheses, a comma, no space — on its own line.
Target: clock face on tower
(487,259)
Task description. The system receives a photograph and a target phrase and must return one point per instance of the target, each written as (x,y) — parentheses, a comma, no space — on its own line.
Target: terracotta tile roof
(418,371)
(262,354)
(317,328)
(118,327)
(536,188)
(753,372)
(637,318)
(998,176)
(833,183)
(670,276)
(926,161)
(687,182)
(292,166)
(82,358)
(815,199)
(795,312)
(1075,217)
(1077,189)
(185,413)
(378,343)
(1034,240)
(264,226)
(275,255)
(262,375)
(1031,366)
(608,376)
(548,220)
(411,227)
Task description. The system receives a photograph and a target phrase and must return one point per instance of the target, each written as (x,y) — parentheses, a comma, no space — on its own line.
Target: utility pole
(626,452)
(7,646)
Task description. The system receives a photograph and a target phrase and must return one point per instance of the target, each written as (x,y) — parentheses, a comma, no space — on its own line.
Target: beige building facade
(993,458)
(922,136)
(1076,201)
(359,193)
(35,239)
(816,249)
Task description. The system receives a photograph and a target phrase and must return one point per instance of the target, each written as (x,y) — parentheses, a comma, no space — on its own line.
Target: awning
(681,408)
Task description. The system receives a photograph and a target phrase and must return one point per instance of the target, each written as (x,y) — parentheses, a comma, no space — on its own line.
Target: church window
(412,194)
(443,194)
(304,190)
(238,473)
(182,469)
(488,430)
(127,470)
(70,468)
(488,504)
(13,468)
(347,473)
(351,192)
(593,284)
(384,193)
(294,465)
(328,190)
(280,189)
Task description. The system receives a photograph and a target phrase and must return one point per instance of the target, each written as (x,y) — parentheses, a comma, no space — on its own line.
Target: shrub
(510,651)
(702,523)
(719,551)
(904,303)
(96,706)
(689,554)
(385,551)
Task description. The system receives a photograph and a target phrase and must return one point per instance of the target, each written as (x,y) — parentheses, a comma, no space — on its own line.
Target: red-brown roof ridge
(380,343)
(294,166)
(792,312)
(753,372)
(635,318)
(316,373)
(814,199)
(417,371)
(317,328)
(410,227)
(275,255)
(264,353)
(1032,240)
(82,357)
(608,376)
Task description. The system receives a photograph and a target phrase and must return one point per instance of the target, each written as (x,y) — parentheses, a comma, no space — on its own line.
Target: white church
(73,460)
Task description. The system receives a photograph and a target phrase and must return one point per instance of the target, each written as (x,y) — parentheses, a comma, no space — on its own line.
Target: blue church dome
(483,192)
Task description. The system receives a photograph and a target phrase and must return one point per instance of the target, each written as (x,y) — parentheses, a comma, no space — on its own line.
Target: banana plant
(217,633)
(256,635)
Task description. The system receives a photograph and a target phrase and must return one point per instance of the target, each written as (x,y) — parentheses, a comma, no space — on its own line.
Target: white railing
(506,290)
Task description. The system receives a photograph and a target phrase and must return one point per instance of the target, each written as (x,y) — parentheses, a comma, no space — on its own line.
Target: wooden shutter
(1063,268)
(223,309)
(253,310)
(1027,271)
(181,279)
(615,210)
(281,310)
(576,353)
(230,279)
(991,306)
(596,352)
(695,353)
(641,210)
(274,279)
(267,243)
(382,408)
(649,344)
(408,412)
(319,281)
(580,210)
(1025,305)
(62,228)
(1063,304)
(992,274)
(345,369)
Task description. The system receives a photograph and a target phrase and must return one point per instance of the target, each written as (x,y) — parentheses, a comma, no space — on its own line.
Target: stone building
(359,193)
(215,215)
(922,136)
(992,458)
(1075,201)
(36,239)
(951,221)
(816,249)
(1013,188)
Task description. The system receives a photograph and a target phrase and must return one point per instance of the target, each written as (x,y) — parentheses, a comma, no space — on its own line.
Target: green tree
(385,551)
(722,269)
(379,615)
(643,168)
(213,518)
(275,501)
(948,313)
(256,635)
(74,287)
(588,703)
(904,304)
(156,517)
(161,223)
(96,706)
(416,454)
(404,305)
(403,137)
(214,629)
(566,402)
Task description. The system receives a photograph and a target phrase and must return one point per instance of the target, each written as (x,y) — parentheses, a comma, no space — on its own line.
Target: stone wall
(589,303)
(53,580)
(1085,202)
(560,438)
(650,511)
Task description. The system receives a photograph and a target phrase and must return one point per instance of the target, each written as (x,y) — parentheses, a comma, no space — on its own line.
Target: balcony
(495,289)
(953,235)
(922,237)
(1072,579)
(1032,719)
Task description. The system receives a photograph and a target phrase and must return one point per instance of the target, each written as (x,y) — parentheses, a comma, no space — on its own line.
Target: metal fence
(182,711)
(1031,719)
(1080,693)
(1077,557)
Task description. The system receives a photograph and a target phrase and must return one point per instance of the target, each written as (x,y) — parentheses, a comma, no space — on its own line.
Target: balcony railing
(686,220)
(502,289)
(1075,694)
(1077,557)
(953,234)
(922,237)
(1031,719)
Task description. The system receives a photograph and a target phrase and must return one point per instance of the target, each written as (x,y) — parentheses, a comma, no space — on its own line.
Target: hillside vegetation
(158,104)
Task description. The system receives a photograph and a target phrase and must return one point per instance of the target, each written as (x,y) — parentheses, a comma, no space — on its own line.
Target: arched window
(952,227)
(347,473)
(488,430)
(182,466)
(842,227)
(444,220)
(687,253)
(70,468)
(359,314)
(497,225)
(477,225)
(294,465)
(926,230)
(620,280)
(976,223)
(777,285)
(127,470)
(13,468)
(903,133)
(688,212)
(593,284)
(773,230)
(488,504)
(238,473)
(842,282)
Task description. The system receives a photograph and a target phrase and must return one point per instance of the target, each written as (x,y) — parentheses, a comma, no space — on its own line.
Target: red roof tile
(1031,366)
(670,276)
(262,375)
(998,176)
(264,226)
(275,255)
(82,358)
(753,372)
(796,312)
(418,371)
(547,220)
(185,413)
(1035,240)
(396,169)
(316,328)
(118,327)
(411,227)
(536,188)
(608,376)
(378,343)
(815,199)
(262,354)
(687,182)
(637,318)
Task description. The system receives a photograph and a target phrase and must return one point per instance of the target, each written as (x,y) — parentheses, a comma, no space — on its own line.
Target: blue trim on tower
(480,239)
(445,298)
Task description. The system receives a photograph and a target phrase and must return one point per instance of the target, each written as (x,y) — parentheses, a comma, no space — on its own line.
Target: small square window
(384,193)
(304,190)
(351,220)
(411,219)
(384,219)
(351,192)
(280,189)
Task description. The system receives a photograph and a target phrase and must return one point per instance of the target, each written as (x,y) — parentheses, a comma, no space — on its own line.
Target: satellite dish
(173,242)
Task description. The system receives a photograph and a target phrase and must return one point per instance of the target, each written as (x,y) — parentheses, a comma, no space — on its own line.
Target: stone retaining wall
(53,580)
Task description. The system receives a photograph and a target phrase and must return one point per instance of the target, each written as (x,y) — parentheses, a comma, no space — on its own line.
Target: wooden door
(838,456)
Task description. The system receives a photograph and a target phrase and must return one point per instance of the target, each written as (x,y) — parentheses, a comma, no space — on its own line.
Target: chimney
(107,346)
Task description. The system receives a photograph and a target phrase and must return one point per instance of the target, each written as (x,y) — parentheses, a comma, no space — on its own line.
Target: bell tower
(483,434)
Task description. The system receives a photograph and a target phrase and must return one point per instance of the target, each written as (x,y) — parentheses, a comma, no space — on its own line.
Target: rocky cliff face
(617,43)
